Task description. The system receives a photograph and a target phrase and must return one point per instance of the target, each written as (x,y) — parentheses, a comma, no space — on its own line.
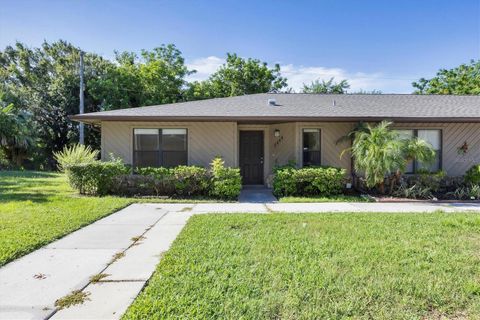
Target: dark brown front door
(251,157)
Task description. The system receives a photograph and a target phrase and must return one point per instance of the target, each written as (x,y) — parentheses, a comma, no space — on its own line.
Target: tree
(15,134)
(464,79)
(154,77)
(328,87)
(44,82)
(238,76)
(379,152)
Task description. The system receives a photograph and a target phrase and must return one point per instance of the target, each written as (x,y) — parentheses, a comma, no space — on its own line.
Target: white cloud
(297,75)
(204,66)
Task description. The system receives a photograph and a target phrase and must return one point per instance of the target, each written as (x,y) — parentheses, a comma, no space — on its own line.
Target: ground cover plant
(319,266)
(39,207)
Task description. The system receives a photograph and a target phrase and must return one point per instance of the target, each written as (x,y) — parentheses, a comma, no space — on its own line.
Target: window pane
(146,139)
(174,140)
(433,167)
(431,136)
(405,134)
(146,158)
(174,158)
(311,147)
(311,140)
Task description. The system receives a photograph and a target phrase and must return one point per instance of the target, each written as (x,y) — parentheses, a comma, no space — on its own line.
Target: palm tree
(15,134)
(379,152)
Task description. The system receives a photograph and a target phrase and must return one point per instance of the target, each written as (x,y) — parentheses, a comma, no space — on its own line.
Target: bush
(470,192)
(190,180)
(226,182)
(76,154)
(309,181)
(95,178)
(472,175)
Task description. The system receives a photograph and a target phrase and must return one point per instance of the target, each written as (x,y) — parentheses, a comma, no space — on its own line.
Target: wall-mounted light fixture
(276,133)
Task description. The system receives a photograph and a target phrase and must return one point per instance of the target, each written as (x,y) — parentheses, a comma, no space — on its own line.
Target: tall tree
(44,82)
(464,79)
(154,77)
(328,87)
(238,76)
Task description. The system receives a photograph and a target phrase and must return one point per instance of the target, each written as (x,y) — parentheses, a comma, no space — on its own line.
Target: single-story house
(259,131)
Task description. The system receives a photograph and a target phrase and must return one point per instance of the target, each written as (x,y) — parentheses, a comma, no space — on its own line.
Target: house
(259,131)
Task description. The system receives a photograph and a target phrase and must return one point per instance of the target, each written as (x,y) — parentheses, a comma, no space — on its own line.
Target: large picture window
(311,147)
(159,147)
(434,138)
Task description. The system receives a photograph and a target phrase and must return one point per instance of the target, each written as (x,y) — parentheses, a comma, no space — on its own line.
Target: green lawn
(337,198)
(38,207)
(319,266)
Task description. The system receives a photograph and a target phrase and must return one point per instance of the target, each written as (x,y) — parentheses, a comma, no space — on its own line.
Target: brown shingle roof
(306,107)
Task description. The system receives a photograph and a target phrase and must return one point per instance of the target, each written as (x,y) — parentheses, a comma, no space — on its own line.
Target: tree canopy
(328,86)
(238,76)
(464,79)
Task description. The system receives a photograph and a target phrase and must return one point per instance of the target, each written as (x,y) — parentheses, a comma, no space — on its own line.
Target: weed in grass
(98,277)
(74,298)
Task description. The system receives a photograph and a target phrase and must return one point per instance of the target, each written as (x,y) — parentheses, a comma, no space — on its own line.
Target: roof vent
(271,102)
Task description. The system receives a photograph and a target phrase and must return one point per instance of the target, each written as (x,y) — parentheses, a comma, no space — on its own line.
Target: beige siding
(209,139)
(330,150)
(205,140)
(453,136)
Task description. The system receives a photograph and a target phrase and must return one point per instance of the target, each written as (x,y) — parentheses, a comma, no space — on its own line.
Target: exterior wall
(330,151)
(205,140)
(209,139)
(453,137)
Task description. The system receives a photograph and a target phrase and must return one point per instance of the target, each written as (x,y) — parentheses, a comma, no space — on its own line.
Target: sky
(375,45)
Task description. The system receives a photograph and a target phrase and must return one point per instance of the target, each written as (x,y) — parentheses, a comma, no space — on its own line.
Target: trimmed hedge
(289,181)
(95,178)
(102,178)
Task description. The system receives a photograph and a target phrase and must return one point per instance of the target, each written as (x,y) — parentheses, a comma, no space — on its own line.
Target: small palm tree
(379,152)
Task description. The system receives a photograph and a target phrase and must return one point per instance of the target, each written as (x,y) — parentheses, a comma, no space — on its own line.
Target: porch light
(276,133)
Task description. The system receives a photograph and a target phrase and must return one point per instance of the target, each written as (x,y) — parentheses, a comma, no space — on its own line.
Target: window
(311,147)
(432,136)
(160,147)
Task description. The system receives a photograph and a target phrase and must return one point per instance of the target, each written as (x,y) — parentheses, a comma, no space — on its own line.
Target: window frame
(160,144)
(440,152)
(320,142)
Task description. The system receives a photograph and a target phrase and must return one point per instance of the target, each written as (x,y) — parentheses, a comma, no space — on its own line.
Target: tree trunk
(381,187)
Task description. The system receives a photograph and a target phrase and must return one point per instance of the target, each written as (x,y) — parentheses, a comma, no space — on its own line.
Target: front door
(251,157)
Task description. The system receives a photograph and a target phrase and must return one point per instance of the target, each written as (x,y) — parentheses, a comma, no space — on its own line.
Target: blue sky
(381,45)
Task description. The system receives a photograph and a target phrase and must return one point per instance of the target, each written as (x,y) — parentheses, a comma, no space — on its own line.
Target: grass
(37,208)
(319,266)
(336,198)
(74,298)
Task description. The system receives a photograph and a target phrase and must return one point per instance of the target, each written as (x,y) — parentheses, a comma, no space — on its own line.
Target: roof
(304,107)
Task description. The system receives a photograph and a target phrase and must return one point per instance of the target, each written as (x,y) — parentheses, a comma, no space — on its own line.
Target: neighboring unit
(257,132)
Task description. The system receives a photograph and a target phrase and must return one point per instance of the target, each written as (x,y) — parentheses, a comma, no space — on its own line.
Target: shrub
(73,155)
(190,180)
(226,182)
(309,181)
(95,178)
(473,175)
(470,192)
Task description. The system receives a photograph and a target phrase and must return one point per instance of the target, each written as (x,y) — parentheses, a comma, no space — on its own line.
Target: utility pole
(82,89)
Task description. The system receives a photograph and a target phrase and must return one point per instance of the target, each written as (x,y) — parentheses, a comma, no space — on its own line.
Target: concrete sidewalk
(140,233)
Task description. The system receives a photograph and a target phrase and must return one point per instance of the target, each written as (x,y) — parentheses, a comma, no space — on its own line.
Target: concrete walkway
(137,235)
